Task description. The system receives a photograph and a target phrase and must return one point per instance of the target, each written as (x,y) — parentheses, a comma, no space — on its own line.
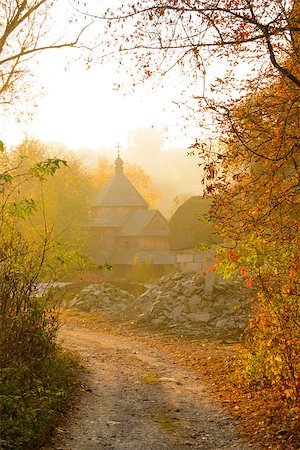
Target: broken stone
(203,317)
(185,299)
(209,282)
(220,288)
(195,300)
(221,323)
(158,320)
(177,311)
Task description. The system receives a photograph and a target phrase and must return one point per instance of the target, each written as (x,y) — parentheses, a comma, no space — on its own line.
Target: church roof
(135,223)
(138,222)
(119,191)
(109,220)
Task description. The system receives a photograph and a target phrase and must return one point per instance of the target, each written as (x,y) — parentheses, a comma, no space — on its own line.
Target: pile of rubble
(208,306)
(102,297)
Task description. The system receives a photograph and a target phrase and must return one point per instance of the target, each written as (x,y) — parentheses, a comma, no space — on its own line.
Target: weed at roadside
(31,401)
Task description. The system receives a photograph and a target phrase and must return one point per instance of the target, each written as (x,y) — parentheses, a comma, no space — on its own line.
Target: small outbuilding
(188,231)
(188,228)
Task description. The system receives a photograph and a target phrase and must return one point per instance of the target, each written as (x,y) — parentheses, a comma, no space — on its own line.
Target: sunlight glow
(82,108)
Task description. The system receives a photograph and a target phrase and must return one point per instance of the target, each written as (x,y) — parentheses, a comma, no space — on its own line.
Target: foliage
(26,325)
(254,176)
(153,38)
(35,380)
(61,201)
(33,389)
(257,206)
(32,400)
(271,348)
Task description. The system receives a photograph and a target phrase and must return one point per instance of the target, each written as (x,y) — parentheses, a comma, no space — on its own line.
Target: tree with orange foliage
(161,35)
(257,207)
(255,176)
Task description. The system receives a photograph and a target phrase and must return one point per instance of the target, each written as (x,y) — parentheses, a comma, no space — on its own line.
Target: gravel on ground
(137,398)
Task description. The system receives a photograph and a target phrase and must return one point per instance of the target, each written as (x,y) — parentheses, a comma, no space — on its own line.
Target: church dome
(118,165)
(119,191)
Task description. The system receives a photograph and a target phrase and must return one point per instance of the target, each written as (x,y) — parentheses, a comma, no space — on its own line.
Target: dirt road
(136,398)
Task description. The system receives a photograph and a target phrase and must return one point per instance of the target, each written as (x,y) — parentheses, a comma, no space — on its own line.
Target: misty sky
(82,108)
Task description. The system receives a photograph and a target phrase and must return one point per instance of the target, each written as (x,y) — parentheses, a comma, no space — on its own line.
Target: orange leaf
(248,282)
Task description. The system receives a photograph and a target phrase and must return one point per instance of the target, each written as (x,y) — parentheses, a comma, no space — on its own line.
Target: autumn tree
(62,201)
(254,176)
(33,375)
(193,33)
(27,29)
(257,206)
(28,324)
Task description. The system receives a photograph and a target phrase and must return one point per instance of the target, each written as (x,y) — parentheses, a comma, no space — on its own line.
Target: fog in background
(175,175)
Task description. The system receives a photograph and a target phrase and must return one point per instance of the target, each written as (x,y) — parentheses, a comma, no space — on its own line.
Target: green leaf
(5,177)
(48,167)
(22,209)
(204,218)
(106,266)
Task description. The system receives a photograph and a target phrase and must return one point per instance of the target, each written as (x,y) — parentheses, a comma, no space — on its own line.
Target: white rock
(202,317)
(221,323)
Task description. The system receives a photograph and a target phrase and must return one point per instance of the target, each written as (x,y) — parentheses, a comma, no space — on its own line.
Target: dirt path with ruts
(137,398)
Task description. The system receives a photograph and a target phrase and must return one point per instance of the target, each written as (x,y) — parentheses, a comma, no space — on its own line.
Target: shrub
(32,399)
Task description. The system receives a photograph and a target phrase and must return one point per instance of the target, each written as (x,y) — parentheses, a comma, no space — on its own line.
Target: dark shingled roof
(119,191)
(186,230)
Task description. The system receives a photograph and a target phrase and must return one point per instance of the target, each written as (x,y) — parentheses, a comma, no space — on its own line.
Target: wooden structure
(123,228)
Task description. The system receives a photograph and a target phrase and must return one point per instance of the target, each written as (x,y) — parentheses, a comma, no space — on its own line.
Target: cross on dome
(118,148)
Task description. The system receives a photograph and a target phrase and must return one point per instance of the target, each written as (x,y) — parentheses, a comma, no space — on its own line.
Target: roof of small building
(187,230)
(119,191)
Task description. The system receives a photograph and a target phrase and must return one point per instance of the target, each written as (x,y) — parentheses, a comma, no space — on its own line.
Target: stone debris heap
(102,297)
(190,302)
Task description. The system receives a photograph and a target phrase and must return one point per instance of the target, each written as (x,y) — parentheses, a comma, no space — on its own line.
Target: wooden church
(123,228)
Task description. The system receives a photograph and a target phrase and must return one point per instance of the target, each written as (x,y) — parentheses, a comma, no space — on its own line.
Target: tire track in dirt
(136,398)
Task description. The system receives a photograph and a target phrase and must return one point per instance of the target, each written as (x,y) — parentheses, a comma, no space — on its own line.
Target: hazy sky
(83,109)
